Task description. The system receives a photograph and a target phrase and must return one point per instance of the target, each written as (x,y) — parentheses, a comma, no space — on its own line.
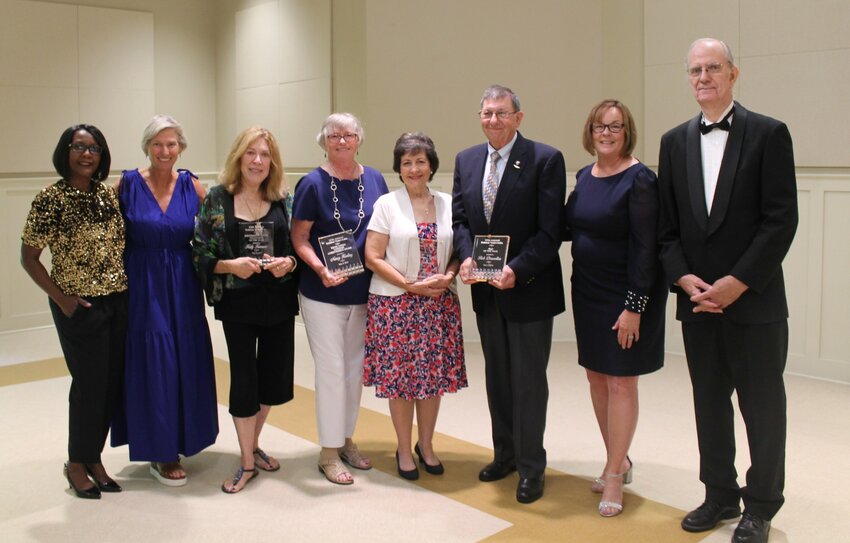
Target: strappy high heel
(608,508)
(599,483)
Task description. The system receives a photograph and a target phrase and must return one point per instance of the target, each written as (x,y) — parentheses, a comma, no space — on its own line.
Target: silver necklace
(360,213)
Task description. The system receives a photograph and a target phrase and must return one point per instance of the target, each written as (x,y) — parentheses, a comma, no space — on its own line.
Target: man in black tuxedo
(729,213)
(516,187)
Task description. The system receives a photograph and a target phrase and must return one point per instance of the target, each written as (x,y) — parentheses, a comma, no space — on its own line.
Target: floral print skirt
(414,346)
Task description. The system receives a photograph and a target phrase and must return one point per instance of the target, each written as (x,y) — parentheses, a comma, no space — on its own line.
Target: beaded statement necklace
(360,213)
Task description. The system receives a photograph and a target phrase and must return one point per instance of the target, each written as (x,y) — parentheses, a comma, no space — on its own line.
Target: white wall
(410,65)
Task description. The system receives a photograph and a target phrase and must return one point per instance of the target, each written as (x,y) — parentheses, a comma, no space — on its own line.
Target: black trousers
(92,341)
(262,365)
(749,359)
(516,355)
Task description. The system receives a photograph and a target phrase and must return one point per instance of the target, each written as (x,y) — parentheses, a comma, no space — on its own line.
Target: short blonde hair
(159,123)
(273,186)
(629,130)
(340,120)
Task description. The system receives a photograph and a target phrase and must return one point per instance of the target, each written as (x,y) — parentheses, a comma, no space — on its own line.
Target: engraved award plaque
(339,252)
(489,256)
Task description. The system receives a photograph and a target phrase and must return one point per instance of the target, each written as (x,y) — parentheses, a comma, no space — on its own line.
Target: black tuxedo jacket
(753,216)
(528,208)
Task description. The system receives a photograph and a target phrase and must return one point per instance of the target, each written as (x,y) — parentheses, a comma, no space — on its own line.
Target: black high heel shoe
(108,485)
(92,493)
(433,470)
(410,475)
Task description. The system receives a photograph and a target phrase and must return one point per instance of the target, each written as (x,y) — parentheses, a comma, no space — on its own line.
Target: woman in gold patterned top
(79,220)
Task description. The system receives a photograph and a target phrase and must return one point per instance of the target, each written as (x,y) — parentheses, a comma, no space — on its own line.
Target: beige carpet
(297,502)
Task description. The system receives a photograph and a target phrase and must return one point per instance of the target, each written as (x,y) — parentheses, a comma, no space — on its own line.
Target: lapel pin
(516,164)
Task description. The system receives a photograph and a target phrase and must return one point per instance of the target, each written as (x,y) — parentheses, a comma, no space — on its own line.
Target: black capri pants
(262,361)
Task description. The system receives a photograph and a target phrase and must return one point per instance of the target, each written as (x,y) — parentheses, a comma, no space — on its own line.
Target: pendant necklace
(254,213)
(360,213)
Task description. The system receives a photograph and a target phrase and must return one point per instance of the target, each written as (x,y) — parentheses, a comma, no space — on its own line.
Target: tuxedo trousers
(516,355)
(748,359)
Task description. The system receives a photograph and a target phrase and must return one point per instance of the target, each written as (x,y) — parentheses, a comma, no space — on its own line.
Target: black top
(261,299)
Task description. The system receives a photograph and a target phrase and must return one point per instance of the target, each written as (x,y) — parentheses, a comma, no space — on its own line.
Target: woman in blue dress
(618,296)
(169,395)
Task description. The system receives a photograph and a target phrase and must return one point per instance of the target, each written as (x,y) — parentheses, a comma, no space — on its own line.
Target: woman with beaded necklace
(336,197)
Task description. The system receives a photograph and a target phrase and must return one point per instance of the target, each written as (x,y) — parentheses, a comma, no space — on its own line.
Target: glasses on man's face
(712,69)
(82,148)
(486,114)
(614,128)
(336,138)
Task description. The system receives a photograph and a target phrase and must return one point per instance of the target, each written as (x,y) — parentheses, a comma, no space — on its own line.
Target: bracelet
(294,263)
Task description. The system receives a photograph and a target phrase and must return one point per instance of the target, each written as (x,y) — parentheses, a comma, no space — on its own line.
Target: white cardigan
(393,215)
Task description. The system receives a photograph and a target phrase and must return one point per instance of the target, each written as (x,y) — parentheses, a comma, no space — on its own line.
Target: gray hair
(495,92)
(159,123)
(726,51)
(340,120)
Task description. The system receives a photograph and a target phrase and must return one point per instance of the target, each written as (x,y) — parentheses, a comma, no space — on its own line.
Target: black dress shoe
(706,516)
(410,474)
(751,529)
(91,493)
(433,470)
(108,485)
(529,489)
(495,471)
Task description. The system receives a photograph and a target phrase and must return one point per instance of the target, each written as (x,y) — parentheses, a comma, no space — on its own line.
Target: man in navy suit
(515,311)
(728,215)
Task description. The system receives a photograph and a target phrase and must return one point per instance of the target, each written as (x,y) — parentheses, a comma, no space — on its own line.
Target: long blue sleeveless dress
(169,405)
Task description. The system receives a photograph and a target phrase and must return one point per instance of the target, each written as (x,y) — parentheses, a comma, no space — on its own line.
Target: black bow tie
(723,124)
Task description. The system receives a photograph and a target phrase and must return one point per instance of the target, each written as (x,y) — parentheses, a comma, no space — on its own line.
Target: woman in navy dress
(170,400)
(618,296)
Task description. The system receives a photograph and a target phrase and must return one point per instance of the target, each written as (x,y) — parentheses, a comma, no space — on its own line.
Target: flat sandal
(238,477)
(351,455)
(265,458)
(333,469)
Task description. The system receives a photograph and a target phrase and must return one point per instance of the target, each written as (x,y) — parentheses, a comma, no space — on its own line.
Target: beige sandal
(351,455)
(334,471)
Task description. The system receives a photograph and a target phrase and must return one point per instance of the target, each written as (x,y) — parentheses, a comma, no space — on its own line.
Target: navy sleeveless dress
(169,404)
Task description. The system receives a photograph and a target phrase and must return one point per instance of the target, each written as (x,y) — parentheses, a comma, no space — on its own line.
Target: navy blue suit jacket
(753,216)
(528,208)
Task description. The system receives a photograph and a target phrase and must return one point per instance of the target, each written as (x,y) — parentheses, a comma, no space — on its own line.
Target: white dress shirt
(712,146)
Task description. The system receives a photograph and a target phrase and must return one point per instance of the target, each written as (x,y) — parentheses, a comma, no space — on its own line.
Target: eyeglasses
(712,69)
(501,115)
(82,148)
(347,137)
(614,128)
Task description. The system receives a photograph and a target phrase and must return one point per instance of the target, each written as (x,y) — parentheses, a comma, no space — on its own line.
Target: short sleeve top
(85,234)
(314,202)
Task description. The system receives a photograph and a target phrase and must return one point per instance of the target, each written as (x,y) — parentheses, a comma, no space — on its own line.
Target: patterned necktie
(491,185)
